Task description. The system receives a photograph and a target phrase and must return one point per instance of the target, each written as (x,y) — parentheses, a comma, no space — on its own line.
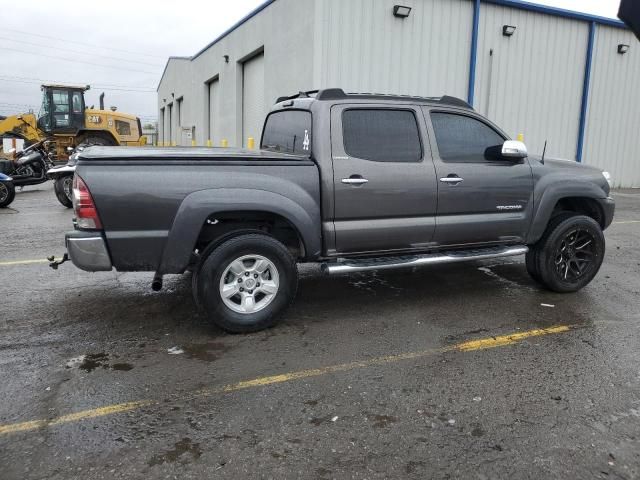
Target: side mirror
(514,149)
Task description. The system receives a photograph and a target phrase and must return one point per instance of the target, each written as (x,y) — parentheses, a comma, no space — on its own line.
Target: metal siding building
(559,78)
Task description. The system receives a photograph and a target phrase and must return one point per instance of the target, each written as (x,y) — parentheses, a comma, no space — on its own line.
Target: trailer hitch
(53,263)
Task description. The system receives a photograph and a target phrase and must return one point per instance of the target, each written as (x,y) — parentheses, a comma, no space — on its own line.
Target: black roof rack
(339,94)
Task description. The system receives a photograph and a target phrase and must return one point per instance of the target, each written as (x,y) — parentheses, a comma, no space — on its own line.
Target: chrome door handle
(451,180)
(355,181)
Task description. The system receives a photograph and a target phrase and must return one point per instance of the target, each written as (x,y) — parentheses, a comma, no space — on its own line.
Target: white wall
(362,47)
(284,30)
(175,84)
(612,137)
(532,83)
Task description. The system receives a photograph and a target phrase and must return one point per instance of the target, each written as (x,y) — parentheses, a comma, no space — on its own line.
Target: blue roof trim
(558,12)
(474,53)
(585,92)
(244,19)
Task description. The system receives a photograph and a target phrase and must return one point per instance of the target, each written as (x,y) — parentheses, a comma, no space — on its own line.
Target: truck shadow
(440,294)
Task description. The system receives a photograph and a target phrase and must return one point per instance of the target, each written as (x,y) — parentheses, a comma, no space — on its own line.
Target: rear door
(482,197)
(384,179)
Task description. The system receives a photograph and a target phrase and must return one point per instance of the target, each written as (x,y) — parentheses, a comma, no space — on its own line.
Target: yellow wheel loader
(65,119)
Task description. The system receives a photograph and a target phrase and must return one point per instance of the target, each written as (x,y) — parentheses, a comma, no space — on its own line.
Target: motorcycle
(29,168)
(62,176)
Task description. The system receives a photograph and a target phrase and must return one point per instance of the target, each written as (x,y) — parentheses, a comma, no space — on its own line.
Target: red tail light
(83,206)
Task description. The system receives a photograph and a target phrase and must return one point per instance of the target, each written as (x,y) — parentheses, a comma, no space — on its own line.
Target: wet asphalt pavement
(562,405)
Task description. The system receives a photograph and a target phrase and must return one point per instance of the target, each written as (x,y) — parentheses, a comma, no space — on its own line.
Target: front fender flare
(303,214)
(550,194)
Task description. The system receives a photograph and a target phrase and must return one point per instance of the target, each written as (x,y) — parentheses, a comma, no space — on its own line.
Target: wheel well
(224,225)
(581,205)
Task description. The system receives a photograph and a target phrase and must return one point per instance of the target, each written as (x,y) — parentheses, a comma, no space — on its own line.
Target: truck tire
(531,261)
(570,253)
(7,194)
(246,282)
(62,187)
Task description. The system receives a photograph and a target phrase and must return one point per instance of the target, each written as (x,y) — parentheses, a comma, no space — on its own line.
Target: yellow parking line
(503,340)
(468,346)
(74,417)
(23,262)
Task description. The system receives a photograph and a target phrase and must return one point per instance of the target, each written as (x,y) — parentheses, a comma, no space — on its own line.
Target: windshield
(44,118)
(288,131)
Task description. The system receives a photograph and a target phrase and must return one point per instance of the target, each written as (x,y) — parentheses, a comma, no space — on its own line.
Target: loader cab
(62,109)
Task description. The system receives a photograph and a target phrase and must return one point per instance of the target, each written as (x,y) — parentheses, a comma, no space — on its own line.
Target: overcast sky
(121,46)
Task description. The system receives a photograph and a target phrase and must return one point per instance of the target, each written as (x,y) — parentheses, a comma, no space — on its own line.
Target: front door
(67,108)
(385,191)
(482,197)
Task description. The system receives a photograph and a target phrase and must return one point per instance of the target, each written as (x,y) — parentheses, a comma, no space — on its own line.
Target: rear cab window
(288,131)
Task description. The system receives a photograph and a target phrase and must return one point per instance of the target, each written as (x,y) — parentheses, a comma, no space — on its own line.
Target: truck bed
(152,214)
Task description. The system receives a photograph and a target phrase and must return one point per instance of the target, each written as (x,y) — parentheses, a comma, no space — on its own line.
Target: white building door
(253,107)
(214,112)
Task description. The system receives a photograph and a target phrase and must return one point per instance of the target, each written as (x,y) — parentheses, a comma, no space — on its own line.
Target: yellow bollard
(208,142)
(520,137)
(251,143)
(193,143)
(224,143)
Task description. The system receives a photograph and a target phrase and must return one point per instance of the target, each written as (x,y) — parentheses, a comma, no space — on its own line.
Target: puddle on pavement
(123,367)
(381,421)
(207,352)
(91,361)
(184,446)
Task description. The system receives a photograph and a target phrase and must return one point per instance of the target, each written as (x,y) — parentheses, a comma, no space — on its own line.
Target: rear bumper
(608,208)
(88,251)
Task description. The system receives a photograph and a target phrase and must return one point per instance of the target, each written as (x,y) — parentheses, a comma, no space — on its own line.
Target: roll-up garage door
(253,107)
(214,112)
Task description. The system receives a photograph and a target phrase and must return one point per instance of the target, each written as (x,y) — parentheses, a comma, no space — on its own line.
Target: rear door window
(288,131)
(381,135)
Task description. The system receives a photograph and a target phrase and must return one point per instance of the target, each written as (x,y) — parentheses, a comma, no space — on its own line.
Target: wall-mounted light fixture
(226,58)
(401,11)
(508,30)
(622,49)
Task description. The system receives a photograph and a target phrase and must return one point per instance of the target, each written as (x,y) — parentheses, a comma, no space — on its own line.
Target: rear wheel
(7,194)
(246,282)
(63,188)
(570,253)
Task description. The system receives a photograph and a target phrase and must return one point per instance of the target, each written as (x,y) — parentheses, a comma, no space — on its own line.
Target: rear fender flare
(197,207)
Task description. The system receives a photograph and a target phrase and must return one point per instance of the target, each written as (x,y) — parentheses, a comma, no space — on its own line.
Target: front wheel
(246,282)
(570,253)
(63,187)
(7,194)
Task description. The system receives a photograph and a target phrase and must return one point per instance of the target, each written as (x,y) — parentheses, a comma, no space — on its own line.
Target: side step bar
(388,263)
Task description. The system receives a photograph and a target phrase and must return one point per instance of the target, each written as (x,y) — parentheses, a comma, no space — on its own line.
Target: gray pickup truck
(354,181)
